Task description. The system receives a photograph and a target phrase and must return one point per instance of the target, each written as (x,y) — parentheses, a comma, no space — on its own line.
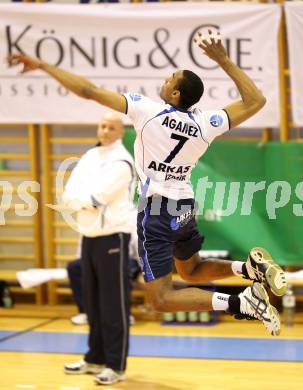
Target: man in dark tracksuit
(100,189)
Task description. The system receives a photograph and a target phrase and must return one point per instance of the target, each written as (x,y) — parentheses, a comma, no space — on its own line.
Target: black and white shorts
(166,228)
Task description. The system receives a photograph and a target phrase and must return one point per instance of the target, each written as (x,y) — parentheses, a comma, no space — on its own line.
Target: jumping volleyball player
(171,137)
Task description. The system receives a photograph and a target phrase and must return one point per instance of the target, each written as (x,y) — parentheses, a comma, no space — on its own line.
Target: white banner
(129,47)
(294,22)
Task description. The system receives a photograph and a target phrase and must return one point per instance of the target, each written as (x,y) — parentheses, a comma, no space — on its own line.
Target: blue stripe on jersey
(166,111)
(144,188)
(190,114)
(146,267)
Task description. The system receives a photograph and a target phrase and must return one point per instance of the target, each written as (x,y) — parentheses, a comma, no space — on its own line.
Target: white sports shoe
(254,304)
(261,267)
(79,319)
(108,376)
(82,367)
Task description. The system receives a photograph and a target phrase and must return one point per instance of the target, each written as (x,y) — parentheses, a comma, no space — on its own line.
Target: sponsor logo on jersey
(172,172)
(169,176)
(181,220)
(173,224)
(135,97)
(216,120)
(162,167)
(180,126)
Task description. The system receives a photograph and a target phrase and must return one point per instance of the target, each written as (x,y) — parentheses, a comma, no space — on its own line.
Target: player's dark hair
(191,89)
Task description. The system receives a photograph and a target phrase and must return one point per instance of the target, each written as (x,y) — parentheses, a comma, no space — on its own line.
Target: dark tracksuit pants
(75,277)
(107,298)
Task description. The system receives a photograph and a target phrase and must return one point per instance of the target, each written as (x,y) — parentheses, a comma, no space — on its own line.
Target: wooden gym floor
(231,355)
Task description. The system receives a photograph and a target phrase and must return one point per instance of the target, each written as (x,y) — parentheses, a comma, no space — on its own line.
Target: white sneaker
(79,319)
(82,367)
(108,376)
(254,304)
(261,267)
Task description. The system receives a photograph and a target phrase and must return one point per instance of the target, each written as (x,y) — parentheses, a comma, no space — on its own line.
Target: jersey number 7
(177,148)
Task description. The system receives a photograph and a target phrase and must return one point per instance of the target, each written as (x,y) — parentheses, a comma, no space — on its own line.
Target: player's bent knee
(161,307)
(187,277)
(158,292)
(186,268)
(158,304)
(186,274)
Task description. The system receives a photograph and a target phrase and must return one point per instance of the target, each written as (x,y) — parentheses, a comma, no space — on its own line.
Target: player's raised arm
(76,84)
(252,98)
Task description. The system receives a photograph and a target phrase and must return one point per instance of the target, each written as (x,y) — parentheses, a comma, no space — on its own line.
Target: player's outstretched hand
(211,44)
(28,63)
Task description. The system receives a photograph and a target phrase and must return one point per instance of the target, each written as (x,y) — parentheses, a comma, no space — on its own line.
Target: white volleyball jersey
(169,143)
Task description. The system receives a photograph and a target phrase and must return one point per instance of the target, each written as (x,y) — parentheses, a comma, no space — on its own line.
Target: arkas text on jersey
(180,126)
(161,167)
(172,172)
